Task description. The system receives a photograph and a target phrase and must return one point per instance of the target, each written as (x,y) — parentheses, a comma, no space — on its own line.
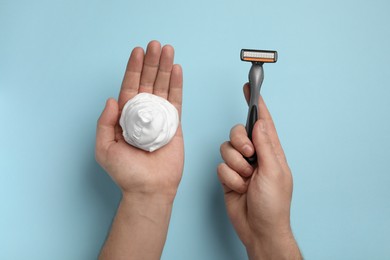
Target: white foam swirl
(148,121)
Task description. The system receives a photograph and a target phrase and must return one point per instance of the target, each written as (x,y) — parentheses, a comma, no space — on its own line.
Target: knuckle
(221,167)
(220,170)
(267,140)
(242,188)
(223,147)
(236,130)
(239,138)
(264,137)
(236,163)
(236,139)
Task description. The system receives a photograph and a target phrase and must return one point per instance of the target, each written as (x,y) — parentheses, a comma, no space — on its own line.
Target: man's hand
(258,197)
(148,181)
(136,171)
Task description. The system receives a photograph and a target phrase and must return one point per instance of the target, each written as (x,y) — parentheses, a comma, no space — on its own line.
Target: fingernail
(247,150)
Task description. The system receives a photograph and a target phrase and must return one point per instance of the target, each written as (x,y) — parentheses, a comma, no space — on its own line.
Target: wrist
(147,199)
(154,210)
(152,193)
(139,229)
(280,245)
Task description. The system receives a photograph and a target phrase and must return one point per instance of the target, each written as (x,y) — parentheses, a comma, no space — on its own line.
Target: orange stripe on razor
(258,59)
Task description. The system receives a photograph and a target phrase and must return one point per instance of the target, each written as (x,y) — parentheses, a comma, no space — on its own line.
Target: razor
(256,77)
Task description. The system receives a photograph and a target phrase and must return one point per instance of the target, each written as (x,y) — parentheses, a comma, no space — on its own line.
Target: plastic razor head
(259,56)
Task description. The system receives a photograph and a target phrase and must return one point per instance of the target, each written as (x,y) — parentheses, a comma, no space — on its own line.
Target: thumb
(266,156)
(105,132)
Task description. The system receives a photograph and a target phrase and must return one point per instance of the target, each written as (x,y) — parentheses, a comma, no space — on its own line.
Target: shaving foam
(148,121)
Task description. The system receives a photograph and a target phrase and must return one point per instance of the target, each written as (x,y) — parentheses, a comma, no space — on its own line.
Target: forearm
(139,229)
(277,247)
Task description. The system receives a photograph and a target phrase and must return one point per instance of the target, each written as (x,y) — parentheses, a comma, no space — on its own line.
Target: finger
(240,141)
(176,87)
(231,180)
(271,129)
(131,80)
(105,132)
(247,92)
(263,110)
(161,85)
(150,68)
(264,146)
(235,160)
(266,115)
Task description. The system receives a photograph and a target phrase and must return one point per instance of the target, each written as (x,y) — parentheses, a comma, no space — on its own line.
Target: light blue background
(329,95)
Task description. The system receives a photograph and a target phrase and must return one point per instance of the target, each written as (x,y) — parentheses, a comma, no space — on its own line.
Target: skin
(148,181)
(258,197)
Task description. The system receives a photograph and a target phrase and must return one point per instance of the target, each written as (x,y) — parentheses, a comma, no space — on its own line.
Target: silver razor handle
(256,77)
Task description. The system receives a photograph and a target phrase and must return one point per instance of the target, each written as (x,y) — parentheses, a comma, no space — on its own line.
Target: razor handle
(256,77)
(251,120)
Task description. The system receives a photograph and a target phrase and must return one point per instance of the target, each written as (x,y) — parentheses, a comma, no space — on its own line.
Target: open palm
(135,170)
